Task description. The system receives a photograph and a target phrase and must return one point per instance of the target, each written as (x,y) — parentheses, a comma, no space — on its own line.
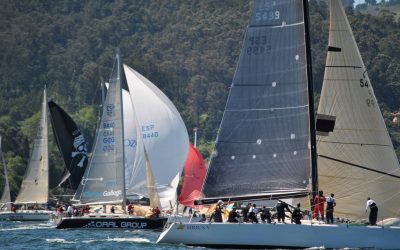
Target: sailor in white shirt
(373,214)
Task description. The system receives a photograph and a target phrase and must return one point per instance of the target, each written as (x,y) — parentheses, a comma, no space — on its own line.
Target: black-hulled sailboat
(108,178)
(266,145)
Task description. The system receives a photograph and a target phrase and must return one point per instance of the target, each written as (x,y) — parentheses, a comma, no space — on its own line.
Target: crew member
(373,208)
(297,215)
(330,204)
(319,201)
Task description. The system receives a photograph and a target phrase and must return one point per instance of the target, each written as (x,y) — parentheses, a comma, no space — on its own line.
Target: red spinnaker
(194,175)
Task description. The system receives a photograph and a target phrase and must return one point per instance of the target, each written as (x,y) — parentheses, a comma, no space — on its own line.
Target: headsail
(193,179)
(71,143)
(356,159)
(35,185)
(5,201)
(103,181)
(262,149)
(151,186)
(162,132)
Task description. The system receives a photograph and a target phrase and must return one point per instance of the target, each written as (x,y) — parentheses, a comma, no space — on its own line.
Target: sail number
(258,45)
(268,15)
(364,83)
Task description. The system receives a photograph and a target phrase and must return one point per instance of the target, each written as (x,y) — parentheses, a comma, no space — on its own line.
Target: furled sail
(193,178)
(71,143)
(5,200)
(162,132)
(103,181)
(262,148)
(35,185)
(356,160)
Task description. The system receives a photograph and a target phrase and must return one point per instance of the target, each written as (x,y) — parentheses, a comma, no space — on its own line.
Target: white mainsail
(163,133)
(103,181)
(35,185)
(5,200)
(357,159)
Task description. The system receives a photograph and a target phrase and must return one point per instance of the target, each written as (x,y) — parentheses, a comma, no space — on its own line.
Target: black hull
(134,223)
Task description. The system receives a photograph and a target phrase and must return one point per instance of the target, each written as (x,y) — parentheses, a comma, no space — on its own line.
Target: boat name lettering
(112,193)
(197,227)
(108,125)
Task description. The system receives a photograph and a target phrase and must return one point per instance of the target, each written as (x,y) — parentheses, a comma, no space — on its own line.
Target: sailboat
(71,144)
(5,200)
(142,137)
(33,196)
(266,145)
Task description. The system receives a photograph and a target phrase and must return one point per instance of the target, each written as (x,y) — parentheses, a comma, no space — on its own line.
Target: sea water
(41,236)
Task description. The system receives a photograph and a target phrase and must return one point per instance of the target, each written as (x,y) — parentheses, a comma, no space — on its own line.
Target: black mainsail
(263,147)
(72,145)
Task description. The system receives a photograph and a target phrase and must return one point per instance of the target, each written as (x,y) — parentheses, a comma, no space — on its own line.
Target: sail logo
(110,109)
(112,193)
(80,149)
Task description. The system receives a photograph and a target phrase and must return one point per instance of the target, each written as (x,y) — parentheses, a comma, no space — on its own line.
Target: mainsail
(193,178)
(71,143)
(103,181)
(35,185)
(5,200)
(263,145)
(356,160)
(160,129)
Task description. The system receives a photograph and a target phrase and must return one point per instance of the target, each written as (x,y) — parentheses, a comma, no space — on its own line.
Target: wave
(136,240)
(59,240)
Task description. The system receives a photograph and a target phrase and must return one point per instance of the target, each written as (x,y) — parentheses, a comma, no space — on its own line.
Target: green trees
(189,49)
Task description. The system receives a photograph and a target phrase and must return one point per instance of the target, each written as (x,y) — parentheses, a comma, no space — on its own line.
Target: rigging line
(343,66)
(355,143)
(362,167)
(269,109)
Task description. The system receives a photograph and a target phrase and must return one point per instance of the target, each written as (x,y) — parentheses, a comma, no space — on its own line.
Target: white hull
(26,215)
(248,235)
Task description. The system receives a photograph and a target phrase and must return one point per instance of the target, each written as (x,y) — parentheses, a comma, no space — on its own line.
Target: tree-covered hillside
(188,48)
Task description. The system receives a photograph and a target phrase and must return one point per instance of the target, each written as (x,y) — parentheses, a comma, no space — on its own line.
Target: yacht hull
(109,222)
(281,236)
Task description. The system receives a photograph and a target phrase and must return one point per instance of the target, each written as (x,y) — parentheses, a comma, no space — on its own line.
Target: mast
(122,126)
(313,140)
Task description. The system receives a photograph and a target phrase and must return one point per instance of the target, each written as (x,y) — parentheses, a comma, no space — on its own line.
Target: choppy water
(40,236)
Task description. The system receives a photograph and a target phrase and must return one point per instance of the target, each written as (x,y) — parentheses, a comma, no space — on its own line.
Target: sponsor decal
(112,193)
(114,224)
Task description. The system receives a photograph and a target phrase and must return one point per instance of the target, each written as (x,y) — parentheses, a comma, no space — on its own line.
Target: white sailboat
(5,200)
(34,192)
(264,119)
(147,138)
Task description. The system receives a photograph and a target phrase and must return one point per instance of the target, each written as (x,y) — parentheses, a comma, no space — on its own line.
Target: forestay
(357,159)
(163,134)
(262,149)
(103,181)
(35,185)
